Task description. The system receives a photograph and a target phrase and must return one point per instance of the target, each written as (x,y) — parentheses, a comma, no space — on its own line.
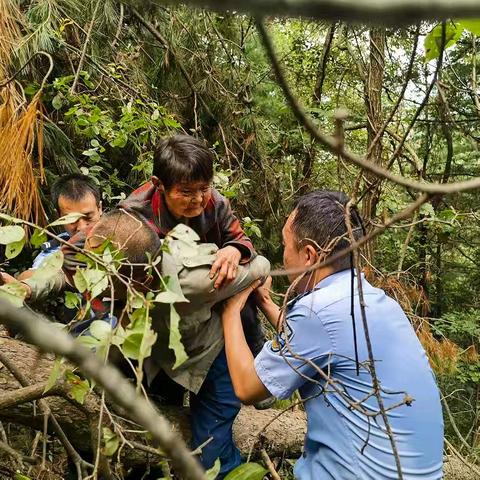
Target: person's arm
(199,288)
(235,247)
(246,383)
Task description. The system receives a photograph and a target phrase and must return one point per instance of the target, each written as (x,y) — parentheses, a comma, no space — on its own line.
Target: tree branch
(39,332)
(382,12)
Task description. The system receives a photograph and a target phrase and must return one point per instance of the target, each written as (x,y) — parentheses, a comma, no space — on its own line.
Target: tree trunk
(285,435)
(373,103)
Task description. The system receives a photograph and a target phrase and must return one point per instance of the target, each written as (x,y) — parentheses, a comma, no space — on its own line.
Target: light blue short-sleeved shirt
(341,443)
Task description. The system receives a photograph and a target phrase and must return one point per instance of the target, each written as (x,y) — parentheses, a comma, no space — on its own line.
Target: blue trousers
(214,410)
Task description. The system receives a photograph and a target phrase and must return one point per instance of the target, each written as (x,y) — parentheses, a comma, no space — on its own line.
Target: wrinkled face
(188,199)
(293,257)
(87,205)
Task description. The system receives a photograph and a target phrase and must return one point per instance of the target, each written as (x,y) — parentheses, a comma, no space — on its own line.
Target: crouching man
(214,405)
(317,350)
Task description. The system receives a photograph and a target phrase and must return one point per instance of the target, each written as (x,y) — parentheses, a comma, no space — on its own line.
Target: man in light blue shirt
(322,352)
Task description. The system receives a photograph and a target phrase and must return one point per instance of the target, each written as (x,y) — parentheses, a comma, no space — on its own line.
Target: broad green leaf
(97,281)
(13,292)
(148,340)
(9,218)
(72,300)
(79,388)
(38,237)
(170,297)
(175,340)
(66,219)
(214,471)
(54,374)
(247,471)
(14,248)
(11,234)
(57,102)
(88,341)
(471,25)
(79,280)
(433,41)
(111,442)
(51,265)
(101,330)
(131,345)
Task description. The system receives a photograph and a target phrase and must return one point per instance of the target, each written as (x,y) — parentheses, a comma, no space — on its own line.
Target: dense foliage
(122,78)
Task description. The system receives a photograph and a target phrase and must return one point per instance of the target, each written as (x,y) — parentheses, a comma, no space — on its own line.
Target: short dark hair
(320,218)
(131,231)
(182,158)
(74,186)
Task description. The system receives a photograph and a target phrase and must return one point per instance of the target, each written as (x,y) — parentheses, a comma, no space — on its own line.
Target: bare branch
(39,332)
(382,12)
(331,143)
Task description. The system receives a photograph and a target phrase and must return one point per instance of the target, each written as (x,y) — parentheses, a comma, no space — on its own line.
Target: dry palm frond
(470,355)
(9,33)
(20,128)
(18,179)
(10,36)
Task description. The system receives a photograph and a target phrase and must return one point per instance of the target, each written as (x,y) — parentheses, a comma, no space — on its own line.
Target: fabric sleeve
(231,230)
(197,286)
(44,288)
(282,367)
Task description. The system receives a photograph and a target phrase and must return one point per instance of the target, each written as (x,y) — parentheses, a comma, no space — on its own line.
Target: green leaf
(170,297)
(79,280)
(471,25)
(51,265)
(72,300)
(11,234)
(101,330)
(214,471)
(79,388)
(13,292)
(247,471)
(8,218)
(66,219)
(111,442)
(57,102)
(38,237)
(131,345)
(88,341)
(97,281)
(54,374)
(433,41)
(175,340)
(14,248)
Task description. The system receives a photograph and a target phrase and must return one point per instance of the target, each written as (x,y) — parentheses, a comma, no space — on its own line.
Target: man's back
(342,442)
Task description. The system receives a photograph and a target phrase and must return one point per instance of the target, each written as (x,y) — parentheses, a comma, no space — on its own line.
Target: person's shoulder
(218,199)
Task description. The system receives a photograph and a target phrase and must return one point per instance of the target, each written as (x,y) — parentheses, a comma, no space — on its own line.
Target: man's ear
(311,255)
